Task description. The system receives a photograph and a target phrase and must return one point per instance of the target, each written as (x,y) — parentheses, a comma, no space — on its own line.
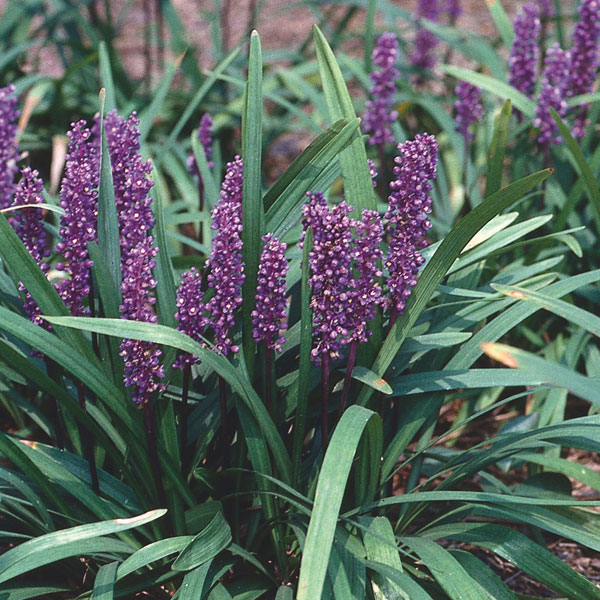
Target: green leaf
(369,378)
(284,592)
(502,22)
(524,554)
(446,570)
(493,180)
(582,164)
(106,77)
(25,593)
(499,88)
(440,263)
(551,373)
(194,582)
(104,584)
(78,541)
(328,497)
(214,536)
(210,188)
(252,207)
(151,553)
(160,334)
(304,359)
(358,187)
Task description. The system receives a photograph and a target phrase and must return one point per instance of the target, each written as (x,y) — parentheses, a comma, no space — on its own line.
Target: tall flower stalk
(408,218)
(270,316)
(9,151)
(423,55)
(468,110)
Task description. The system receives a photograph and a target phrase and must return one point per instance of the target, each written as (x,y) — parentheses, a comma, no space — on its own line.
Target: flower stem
(88,446)
(187,372)
(268,381)
(324,398)
(392,319)
(225,434)
(149,423)
(348,377)
(58,424)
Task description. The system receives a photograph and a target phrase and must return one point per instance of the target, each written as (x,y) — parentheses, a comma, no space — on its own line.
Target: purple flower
(190,315)
(366,293)
(28,224)
(584,58)
(330,263)
(407,215)
(143,370)
(423,56)
(468,108)
(205,133)
(79,199)
(525,52)
(225,264)
(9,151)
(453,9)
(373,172)
(546,8)
(270,316)
(555,82)
(380,113)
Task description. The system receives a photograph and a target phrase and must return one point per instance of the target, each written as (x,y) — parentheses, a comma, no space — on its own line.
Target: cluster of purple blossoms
(366,294)
(9,152)
(225,263)
(454,10)
(270,316)
(555,83)
(380,113)
(546,8)
(330,263)
(190,315)
(423,56)
(585,55)
(143,370)
(205,133)
(525,52)
(28,224)
(407,215)
(468,108)
(79,199)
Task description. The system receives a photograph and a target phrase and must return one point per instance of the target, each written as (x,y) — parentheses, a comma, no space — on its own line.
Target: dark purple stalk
(348,377)
(383,181)
(147,45)
(187,373)
(393,316)
(225,434)
(88,447)
(151,437)
(160,21)
(268,382)
(324,399)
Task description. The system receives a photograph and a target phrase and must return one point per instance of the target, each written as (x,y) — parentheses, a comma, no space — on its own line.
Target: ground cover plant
(362,375)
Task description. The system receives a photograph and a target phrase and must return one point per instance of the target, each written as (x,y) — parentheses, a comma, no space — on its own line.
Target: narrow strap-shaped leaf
(211,190)
(151,553)
(252,206)
(192,586)
(23,268)
(358,186)
(551,372)
(493,180)
(582,164)
(503,24)
(104,584)
(106,77)
(304,361)
(42,548)
(438,266)
(328,497)
(495,86)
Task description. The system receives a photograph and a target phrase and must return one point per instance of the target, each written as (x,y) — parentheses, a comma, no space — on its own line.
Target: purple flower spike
(79,199)
(366,294)
(468,108)
(407,215)
(423,56)
(143,370)
(525,52)
(270,316)
(205,133)
(555,82)
(546,8)
(380,113)
(585,55)
(28,224)
(331,273)
(226,274)
(190,313)
(454,10)
(9,152)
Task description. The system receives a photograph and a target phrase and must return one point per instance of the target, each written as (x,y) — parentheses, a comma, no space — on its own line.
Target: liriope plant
(196,458)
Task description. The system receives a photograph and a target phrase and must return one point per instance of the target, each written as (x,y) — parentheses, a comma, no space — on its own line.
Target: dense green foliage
(397,506)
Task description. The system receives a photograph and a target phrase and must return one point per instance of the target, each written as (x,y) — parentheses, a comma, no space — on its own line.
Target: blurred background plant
(448,475)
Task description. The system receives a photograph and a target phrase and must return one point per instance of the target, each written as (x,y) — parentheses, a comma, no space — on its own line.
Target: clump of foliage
(220,387)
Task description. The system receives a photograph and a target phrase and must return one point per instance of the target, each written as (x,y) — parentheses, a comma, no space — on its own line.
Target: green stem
(268,381)
(324,398)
